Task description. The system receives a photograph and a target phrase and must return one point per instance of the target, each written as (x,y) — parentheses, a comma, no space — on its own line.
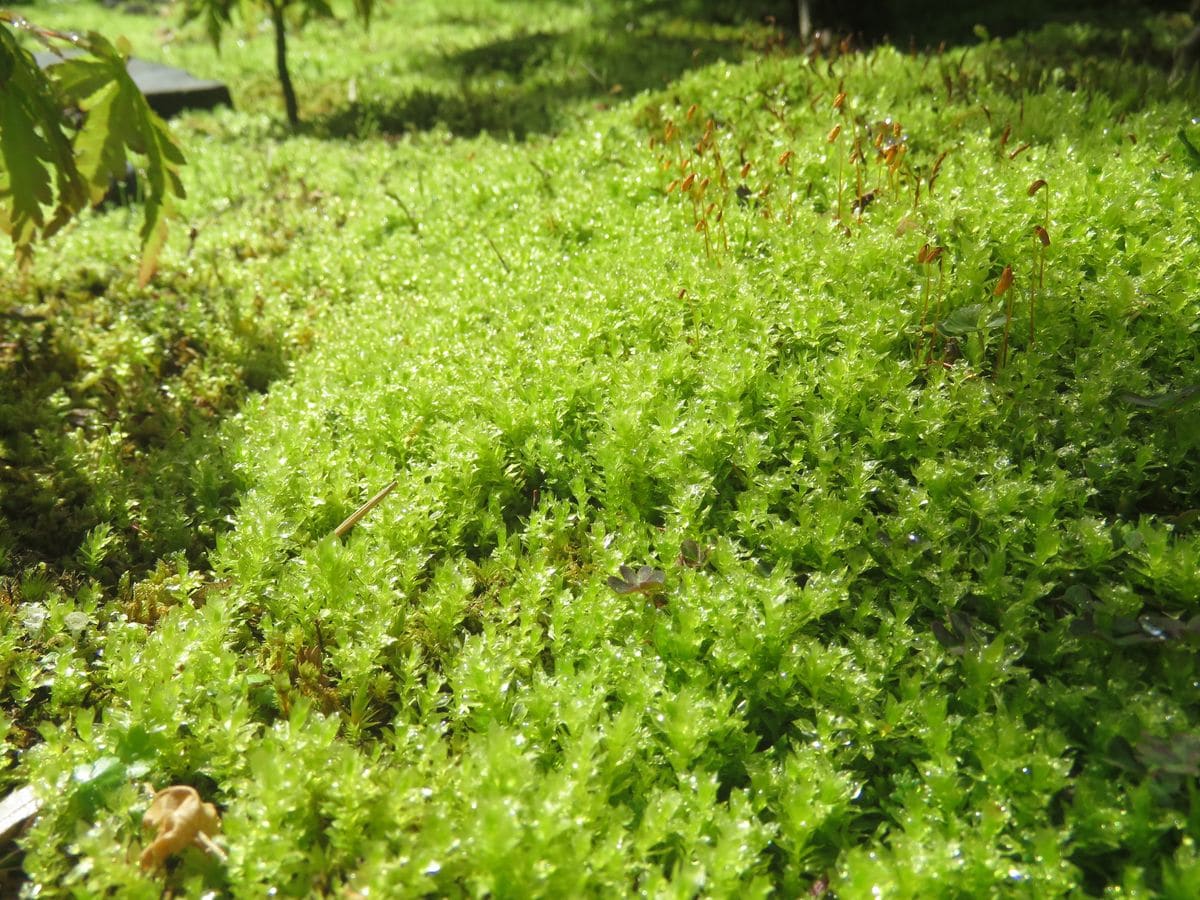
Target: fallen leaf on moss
(182,819)
(17,808)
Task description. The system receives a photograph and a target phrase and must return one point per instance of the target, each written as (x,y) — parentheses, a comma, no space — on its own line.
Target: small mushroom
(181,819)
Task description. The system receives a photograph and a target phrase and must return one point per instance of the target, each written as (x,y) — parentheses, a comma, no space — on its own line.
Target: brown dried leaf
(18,808)
(181,819)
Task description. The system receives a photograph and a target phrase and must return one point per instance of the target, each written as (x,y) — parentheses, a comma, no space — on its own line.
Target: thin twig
(496,250)
(549,182)
(592,72)
(413,223)
(354,517)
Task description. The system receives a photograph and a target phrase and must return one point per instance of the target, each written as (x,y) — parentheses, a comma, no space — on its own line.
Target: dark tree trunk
(285,78)
(1188,52)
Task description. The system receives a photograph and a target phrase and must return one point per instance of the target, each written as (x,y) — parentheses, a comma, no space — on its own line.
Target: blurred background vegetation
(923,22)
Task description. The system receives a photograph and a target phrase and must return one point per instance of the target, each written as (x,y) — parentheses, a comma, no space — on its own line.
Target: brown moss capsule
(833,133)
(1036,186)
(1004,283)
(1042,235)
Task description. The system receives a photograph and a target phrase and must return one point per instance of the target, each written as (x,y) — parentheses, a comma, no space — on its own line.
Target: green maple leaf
(32,146)
(41,167)
(118,119)
(26,181)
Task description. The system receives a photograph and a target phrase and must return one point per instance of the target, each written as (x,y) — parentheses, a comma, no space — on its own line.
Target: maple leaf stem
(204,842)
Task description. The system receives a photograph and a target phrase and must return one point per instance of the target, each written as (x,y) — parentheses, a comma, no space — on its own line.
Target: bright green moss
(926,619)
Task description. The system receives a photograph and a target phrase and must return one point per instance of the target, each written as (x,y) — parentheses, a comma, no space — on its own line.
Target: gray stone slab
(167,89)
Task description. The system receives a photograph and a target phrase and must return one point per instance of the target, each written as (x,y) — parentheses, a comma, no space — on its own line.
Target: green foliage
(217,15)
(34,145)
(714,565)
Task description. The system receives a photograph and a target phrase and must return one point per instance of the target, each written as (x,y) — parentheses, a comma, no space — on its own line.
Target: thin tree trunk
(1188,51)
(803,21)
(285,79)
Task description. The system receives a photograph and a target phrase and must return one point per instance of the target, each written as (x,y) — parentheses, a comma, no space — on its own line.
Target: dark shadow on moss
(923,22)
(532,83)
(90,436)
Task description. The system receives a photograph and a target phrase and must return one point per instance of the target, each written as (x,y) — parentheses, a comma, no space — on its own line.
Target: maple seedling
(181,819)
(118,121)
(645,580)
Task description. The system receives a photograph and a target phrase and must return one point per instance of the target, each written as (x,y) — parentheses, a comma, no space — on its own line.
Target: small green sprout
(95,547)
